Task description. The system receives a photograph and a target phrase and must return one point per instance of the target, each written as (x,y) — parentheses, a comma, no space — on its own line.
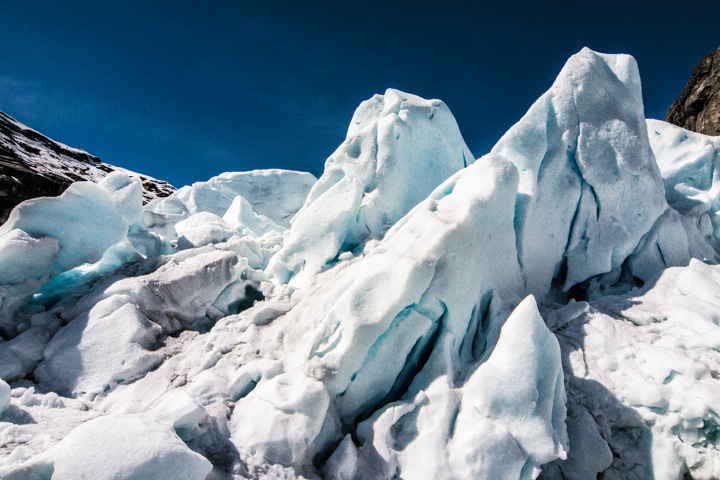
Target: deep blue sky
(186,90)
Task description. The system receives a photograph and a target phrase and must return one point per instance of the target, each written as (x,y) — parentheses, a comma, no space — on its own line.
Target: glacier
(548,310)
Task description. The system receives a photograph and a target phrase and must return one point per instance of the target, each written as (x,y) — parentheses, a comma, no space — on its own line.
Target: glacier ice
(548,310)
(84,206)
(589,188)
(688,165)
(503,423)
(202,228)
(122,446)
(399,147)
(641,375)
(4,396)
(275,194)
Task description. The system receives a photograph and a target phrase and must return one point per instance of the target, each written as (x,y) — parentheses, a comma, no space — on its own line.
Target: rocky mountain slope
(698,108)
(32,165)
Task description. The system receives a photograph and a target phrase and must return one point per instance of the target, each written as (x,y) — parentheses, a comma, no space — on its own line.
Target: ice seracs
(275,194)
(688,163)
(415,313)
(399,147)
(589,184)
(392,324)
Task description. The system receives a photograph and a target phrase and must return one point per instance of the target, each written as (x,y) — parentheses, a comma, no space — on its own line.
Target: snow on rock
(122,446)
(399,147)
(589,185)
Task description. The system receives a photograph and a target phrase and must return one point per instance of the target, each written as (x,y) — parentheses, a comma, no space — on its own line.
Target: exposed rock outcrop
(32,165)
(698,108)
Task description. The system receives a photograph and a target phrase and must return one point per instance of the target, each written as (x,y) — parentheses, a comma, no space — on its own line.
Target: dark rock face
(32,165)
(698,108)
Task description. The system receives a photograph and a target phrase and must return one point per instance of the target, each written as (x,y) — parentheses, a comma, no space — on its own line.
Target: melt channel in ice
(395,319)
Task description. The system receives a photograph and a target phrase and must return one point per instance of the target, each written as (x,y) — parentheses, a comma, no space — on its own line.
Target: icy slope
(32,165)
(415,313)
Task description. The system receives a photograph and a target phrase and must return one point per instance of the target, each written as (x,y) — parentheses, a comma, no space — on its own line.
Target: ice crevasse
(414,313)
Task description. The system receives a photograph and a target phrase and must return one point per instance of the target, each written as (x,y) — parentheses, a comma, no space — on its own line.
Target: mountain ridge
(698,107)
(33,165)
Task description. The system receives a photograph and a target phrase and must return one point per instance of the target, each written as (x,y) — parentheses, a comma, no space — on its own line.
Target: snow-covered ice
(116,446)
(643,378)
(550,309)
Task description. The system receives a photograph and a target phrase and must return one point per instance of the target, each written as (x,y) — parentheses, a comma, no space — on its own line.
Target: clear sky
(186,90)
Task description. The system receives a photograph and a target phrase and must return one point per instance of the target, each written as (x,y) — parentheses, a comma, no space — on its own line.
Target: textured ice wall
(589,185)
(399,147)
(393,322)
(688,163)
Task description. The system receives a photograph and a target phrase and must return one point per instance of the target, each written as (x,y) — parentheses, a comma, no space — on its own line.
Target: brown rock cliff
(698,108)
